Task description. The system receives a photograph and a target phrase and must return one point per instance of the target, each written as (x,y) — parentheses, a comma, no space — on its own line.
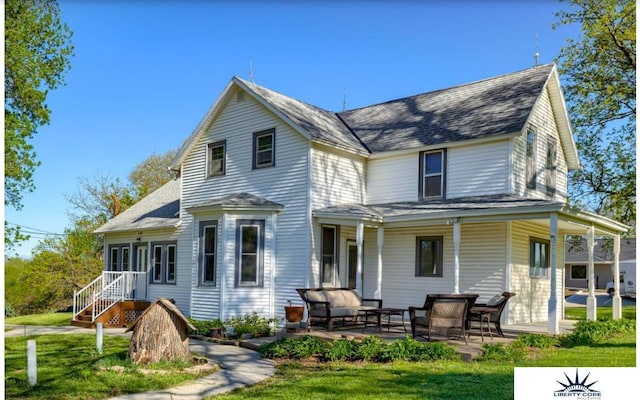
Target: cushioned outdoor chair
(443,312)
(497,304)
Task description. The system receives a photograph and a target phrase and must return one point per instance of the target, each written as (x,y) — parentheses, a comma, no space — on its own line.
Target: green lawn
(51,319)
(580,313)
(70,368)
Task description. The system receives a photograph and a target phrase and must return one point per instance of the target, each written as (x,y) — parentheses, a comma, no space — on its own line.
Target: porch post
(591,299)
(456,258)
(378,293)
(553,318)
(359,239)
(617,300)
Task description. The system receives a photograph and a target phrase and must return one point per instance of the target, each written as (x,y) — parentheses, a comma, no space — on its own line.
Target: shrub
(371,348)
(537,340)
(297,348)
(251,324)
(342,350)
(513,352)
(203,327)
(586,333)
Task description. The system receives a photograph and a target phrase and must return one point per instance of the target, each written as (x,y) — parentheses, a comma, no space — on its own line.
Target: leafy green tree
(152,173)
(599,74)
(37,52)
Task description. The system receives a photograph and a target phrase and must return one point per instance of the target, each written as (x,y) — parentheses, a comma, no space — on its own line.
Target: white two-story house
(460,190)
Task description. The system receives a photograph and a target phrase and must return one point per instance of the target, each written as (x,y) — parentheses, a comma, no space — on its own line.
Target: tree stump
(160,334)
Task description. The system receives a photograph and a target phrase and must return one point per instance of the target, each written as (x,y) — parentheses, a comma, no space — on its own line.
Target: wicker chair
(498,304)
(447,312)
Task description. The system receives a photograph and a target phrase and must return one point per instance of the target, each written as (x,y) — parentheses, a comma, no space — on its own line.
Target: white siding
(337,178)
(542,119)
(286,184)
(179,291)
(532,295)
(478,170)
(393,179)
(482,263)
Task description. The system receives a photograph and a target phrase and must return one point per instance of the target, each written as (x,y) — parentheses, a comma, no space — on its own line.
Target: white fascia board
(448,145)
(169,228)
(230,208)
(346,219)
(200,128)
(607,225)
(562,120)
(271,108)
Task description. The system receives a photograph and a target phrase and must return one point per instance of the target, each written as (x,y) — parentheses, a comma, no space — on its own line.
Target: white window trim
(256,282)
(256,137)
(210,147)
(424,175)
(156,263)
(203,254)
(175,263)
(335,255)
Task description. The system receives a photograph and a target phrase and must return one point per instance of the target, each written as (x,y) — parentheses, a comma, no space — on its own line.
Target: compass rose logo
(577,388)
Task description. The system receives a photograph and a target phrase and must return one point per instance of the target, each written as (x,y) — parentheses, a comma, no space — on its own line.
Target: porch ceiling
(470,210)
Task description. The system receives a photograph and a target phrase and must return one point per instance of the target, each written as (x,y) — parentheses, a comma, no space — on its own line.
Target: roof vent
(240,96)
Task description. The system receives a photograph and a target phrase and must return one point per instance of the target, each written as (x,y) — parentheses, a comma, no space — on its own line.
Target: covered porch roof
(469,210)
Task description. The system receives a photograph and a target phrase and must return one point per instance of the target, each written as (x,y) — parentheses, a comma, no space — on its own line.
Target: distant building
(576,260)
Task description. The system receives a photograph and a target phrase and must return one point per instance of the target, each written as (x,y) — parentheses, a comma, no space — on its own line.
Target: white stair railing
(108,289)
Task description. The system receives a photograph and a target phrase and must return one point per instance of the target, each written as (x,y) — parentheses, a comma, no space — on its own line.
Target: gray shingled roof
(160,209)
(577,251)
(494,106)
(438,207)
(238,200)
(323,126)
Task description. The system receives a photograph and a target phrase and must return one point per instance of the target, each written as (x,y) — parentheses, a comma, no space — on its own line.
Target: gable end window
(531,158)
(207,264)
(216,158)
(429,260)
(432,174)
(538,258)
(264,149)
(250,253)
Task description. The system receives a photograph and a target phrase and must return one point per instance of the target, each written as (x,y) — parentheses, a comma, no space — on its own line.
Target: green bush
(513,352)
(297,348)
(538,340)
(252,324)
(203,327)
(586,333)
(369,349)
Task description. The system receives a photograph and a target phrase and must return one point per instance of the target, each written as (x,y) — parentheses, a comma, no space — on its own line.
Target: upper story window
(216,155)
(551,166)
(264,149)
(531,158)
(432,173)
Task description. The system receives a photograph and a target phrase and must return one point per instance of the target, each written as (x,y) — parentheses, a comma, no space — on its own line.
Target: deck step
(82,324)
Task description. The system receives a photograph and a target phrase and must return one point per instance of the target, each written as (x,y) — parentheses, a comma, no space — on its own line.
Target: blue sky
(145,72)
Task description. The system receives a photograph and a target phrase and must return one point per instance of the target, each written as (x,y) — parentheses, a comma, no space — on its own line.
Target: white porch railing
(108,289)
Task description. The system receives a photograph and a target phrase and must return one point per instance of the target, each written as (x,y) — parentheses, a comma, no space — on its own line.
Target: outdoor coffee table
(381,312)
(485,316)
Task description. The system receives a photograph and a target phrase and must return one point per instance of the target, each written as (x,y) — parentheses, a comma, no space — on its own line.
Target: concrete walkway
(239,366)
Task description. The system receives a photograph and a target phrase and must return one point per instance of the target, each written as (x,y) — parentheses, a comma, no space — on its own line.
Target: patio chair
(497,304)
(448,312)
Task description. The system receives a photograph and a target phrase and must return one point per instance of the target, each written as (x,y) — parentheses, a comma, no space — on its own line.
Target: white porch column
(591,298)
(553,317)
(359,240)
(378,293)
(617,300)
(456,257)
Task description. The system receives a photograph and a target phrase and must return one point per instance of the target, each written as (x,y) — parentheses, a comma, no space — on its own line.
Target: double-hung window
(531,158)
(250,259)
(538,258)
(164,262)
(264,149)
(329,254)
(216,158)
(208,251)
(552,156)
(432,173)
(429,260)
(114,261)
(119,257)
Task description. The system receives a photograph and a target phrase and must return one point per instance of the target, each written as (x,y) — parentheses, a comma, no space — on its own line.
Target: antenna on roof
(251,70)
(536,56)
(344,100)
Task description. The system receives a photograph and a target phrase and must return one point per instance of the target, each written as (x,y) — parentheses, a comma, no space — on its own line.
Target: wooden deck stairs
(120,315)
